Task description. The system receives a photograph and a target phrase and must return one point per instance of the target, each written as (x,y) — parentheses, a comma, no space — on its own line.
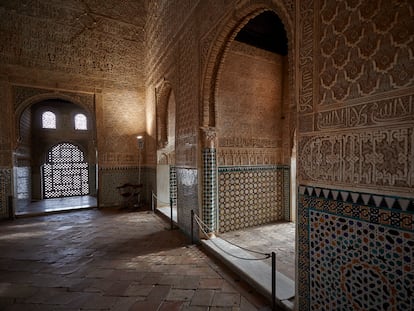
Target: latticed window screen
(66,172)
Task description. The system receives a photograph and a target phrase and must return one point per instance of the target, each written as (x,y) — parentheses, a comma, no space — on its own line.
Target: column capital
(209,137)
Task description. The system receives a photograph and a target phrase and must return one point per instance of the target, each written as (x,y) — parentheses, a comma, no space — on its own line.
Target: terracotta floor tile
(99,259)
(202,297)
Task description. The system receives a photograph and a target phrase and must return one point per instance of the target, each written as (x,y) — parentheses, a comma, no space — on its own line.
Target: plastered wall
(249,107)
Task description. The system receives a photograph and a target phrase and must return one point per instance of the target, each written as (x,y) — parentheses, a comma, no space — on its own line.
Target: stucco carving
(363,46)
(380,112)
(305,56)
(365,158)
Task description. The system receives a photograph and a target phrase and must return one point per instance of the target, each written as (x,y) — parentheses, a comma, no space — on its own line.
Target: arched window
(48,120)
(65,172)
(81,122)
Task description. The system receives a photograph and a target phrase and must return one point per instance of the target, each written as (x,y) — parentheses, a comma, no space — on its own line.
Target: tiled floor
(111,260)
(54,205)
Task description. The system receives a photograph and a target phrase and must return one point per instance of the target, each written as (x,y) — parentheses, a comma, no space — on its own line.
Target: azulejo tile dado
(367,199)
(357,265)
(173,185)
(209,209)
(252,195)
(356,250)
(5,191)
(379,209)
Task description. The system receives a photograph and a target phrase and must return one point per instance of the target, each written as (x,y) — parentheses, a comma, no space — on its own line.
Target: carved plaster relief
(305,55)
(365,158)
(366,47)
(379,112)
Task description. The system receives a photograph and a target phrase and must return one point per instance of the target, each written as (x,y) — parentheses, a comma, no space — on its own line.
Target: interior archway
(42,125)
(248,100)
(166,185)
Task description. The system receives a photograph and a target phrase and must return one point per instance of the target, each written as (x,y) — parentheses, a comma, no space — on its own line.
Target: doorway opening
(255,120)
(56,158)
(165,199)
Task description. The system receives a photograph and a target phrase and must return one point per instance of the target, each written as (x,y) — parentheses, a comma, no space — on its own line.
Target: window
(65,172)
(81,122)
(48,120)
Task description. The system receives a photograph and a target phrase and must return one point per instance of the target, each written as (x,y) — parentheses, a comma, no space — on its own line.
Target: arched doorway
(248,104)
(55,157)
(166,175)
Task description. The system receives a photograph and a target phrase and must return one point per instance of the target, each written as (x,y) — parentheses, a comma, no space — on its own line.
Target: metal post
(11,207)
(171,213)
(192,226)
(152,201)
(273,281)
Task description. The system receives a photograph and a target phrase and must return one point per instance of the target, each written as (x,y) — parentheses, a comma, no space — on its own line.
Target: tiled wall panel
(5,191)
(110,178)
(358,251)
(173,185)
(251,196)
(187,197)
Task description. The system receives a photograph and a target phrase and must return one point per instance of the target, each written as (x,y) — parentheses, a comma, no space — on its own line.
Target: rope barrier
(155,196)
(201,224)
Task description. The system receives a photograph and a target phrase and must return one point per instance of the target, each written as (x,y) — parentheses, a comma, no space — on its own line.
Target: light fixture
(140,140)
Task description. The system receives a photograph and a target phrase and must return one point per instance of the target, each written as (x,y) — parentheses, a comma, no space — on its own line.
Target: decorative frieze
(249,156)
(306,56)
(367,158)
(380,112)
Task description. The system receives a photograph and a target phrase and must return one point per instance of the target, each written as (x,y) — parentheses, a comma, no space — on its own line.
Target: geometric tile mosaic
(209,208)
(367,199)
(355,250)
(112,177)
(251,196)
(173,185)
(187,197)
(5,191)
(356,265)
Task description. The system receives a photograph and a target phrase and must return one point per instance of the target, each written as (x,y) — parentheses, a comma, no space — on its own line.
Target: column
(209,157)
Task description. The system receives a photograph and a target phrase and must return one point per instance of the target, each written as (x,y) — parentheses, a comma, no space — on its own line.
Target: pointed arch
(163,94)
(219,47)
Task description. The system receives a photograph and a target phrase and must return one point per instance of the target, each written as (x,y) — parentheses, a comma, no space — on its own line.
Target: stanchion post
(273,281)
(10,207)
(192,226)
(171,214)
(152,201)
